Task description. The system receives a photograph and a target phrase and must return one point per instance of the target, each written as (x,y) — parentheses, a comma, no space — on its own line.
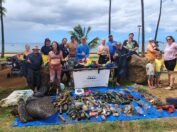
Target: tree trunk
(158,22)
(143,28)
(109,28)
(2,31)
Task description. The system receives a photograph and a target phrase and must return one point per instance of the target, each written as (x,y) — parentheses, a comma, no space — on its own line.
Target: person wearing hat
(112,46)
(151,50)
(82,51)
(121,60)
(35,62)
(46,49)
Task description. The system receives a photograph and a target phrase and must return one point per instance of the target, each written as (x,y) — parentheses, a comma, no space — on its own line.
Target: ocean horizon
(20,47)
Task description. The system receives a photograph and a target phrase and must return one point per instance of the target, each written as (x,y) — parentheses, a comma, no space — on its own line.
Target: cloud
(45,15)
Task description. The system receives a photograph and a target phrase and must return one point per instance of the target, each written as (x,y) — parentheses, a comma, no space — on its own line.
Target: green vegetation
(79,32)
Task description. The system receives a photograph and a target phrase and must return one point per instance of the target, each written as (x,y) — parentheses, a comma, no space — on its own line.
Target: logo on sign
(91,77)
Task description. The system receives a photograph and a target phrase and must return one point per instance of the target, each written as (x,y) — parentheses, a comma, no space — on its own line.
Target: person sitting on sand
(55,66)
(150,72)
(34,69)
(46,49)
(103,52)
(82,51)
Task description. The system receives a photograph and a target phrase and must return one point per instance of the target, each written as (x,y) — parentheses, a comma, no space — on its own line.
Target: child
(158,68)
(150,71)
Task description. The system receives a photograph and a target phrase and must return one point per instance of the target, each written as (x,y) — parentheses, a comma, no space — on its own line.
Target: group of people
(57,54)
(157,62)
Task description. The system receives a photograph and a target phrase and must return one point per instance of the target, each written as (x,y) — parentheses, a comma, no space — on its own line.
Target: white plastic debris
(14,97)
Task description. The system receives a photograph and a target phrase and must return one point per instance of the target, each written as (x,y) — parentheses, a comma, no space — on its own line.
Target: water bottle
(139,110)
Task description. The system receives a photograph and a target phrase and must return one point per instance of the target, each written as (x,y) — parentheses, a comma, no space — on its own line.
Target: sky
(31,21)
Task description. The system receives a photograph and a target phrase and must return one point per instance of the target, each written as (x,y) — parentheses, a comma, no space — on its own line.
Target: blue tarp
(151,112)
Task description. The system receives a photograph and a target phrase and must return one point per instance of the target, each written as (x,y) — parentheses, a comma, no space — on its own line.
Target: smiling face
(103,42)
(54,46)
(64,41)
(27,47)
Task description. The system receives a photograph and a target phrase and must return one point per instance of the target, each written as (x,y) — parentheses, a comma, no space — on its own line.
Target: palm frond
(3,10)
(72,33)
(88,30)
(78,31)
(93,42)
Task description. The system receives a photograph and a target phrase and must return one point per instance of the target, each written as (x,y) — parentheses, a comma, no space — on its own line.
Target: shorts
(170,64)
(150,76)
(157,74)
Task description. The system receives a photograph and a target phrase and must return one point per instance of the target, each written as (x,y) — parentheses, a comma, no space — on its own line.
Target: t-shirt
(112,48)
(134,43)
(64,50)
(170,51)
(36,61)
(82,48)
(46,49)
(150,68)
(158,64)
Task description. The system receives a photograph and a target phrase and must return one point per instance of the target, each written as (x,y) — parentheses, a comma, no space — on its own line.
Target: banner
(91,78)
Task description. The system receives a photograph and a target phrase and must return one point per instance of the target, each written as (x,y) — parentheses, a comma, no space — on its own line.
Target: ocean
(20,47)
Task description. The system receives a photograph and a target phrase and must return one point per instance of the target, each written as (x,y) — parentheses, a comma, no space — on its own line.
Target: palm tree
(142,19)
(158,22)
(3,11)
(79,32)
(109,27)
(159,18)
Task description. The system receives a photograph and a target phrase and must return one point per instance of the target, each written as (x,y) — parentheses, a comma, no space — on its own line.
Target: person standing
(46,49)
(65,52)
(55,66)
(24,68)
(82,51)
(120,59)
(112,47)
(34,69)
(151,50)
(63,48)
(170,58)
(103,52)
(158,68)
(72,46)
(150,71)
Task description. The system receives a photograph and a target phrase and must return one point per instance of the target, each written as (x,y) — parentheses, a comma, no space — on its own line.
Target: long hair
(58,51)
(173,40)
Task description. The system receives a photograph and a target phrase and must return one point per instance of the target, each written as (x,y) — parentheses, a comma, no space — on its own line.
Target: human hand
(83,53)
(29,61)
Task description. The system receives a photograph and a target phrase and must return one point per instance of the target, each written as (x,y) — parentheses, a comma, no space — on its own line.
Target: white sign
(91,78)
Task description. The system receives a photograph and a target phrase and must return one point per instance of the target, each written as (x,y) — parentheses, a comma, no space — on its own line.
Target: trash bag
(40,108)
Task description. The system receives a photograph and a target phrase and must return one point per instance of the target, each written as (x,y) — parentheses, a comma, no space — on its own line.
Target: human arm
(87,52)
(99,50)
